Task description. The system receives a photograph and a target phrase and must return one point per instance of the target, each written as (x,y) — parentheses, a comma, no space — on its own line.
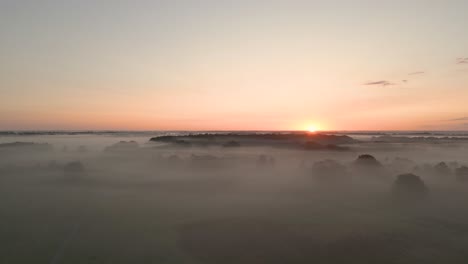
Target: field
(229,205)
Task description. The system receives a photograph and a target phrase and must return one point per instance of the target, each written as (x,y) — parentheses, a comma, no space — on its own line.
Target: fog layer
(304,198)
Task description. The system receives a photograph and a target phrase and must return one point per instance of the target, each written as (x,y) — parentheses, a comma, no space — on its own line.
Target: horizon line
(224,130)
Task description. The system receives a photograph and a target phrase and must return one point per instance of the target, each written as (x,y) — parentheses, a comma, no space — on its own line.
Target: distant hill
(306,141)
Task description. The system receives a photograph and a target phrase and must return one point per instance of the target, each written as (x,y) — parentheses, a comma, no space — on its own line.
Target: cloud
(465,118)
(462,60)
(383,83)
(416,73)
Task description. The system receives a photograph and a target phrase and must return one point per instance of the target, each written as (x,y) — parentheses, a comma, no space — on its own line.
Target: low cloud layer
(462,60)
(459,119)
(382,83)
(416,73)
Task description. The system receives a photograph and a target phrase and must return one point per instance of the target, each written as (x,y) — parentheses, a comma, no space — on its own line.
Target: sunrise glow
(312,128)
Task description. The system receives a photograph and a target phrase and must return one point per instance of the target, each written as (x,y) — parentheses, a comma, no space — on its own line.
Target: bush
(409,185)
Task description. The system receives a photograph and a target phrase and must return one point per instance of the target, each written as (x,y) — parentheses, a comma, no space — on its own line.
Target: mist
(233,198)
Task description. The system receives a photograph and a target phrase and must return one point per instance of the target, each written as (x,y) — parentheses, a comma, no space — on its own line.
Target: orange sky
(240,65)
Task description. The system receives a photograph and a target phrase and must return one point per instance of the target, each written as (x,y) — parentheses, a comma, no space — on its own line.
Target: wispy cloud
(444,126)
(462,60)
(465,118)
(416,73)
(382,83)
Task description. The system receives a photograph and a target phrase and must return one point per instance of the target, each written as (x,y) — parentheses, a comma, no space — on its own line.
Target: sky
(233,65)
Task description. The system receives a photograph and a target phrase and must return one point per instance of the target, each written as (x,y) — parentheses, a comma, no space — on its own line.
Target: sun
(312,128)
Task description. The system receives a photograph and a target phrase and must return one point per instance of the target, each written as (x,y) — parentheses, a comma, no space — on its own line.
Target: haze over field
(233,198)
